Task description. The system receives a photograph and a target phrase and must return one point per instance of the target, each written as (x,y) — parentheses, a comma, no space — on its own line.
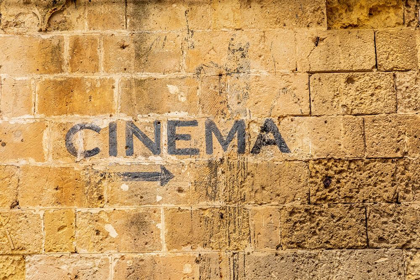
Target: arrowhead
(165,175)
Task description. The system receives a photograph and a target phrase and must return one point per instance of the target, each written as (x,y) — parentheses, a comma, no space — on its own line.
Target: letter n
(131,129)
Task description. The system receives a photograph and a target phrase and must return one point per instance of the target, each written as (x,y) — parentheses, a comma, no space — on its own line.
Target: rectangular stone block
(240,52)
(396,50)
(48,186)
(9,176)
(84,54)
(76,96)
(336,264)
(12,267)
(265,228)
(268,14)
(408,96)
(393,226)
(353,94)
(23,55)
(335,50)
(22,141)
(323,227)
(143,53)
(238,181)
(59,226)
(159,96)
(118,231)
(17,98)
(40,267)
(355,181)
(386,135)
(109,15)
(412,264)
(225,228)
(21,232)
(278,95)
(408,178)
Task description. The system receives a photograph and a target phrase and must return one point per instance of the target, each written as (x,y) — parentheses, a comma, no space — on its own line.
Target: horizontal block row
(232,52)
(311,227)
(293,138)
(198,53)
(250,96)
(342,264)
(229,181)
(169,16)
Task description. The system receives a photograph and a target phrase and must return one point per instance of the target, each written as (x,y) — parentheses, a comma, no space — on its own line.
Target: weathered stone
(12,267)
(59,186)
(76,96)
(323,227)
(59,230)
(84,56)
(355,181)
(396,50)
(364,14)
(412,264)
(21,55)
(8,186)
(159,96)
(340,264)
(107,15)
(22,141)
(17,98)
(240,52)
(122,192)
(40,267)
(225,228)
(342,94)
(408,177)
(265,228)
(239,181)
(393,226)
(143,52)
(118,231)
(408,96)
(338,50)
(386,135)
(21,232)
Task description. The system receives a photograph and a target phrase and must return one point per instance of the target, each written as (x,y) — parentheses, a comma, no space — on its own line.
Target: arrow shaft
(140,176)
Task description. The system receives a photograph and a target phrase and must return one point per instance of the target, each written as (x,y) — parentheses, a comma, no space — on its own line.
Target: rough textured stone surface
(67,267)
(21,232)
(364,14)
(118,231)
(59,230)
(22,141)
(17,98)
(21,55)
(8,186)
(84,54)
(225,228)
(355,181)
(333,226)
(78,96)
(265,228)
(12,267)
(352,94)
(345,264)
(341,50)
(407,85)
(396,50)
(393,226)
(59,187)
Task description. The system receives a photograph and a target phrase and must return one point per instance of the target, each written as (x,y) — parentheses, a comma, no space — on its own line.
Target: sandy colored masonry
(338,79)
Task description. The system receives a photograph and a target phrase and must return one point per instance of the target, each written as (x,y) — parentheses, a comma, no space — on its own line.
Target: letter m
(238,129)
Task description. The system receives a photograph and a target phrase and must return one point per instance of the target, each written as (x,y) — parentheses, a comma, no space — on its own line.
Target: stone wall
(209,139)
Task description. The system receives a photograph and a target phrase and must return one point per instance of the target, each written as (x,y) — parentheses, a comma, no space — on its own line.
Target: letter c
(69,140)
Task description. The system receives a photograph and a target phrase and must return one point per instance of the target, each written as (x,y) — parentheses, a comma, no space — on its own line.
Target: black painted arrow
(164,176)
